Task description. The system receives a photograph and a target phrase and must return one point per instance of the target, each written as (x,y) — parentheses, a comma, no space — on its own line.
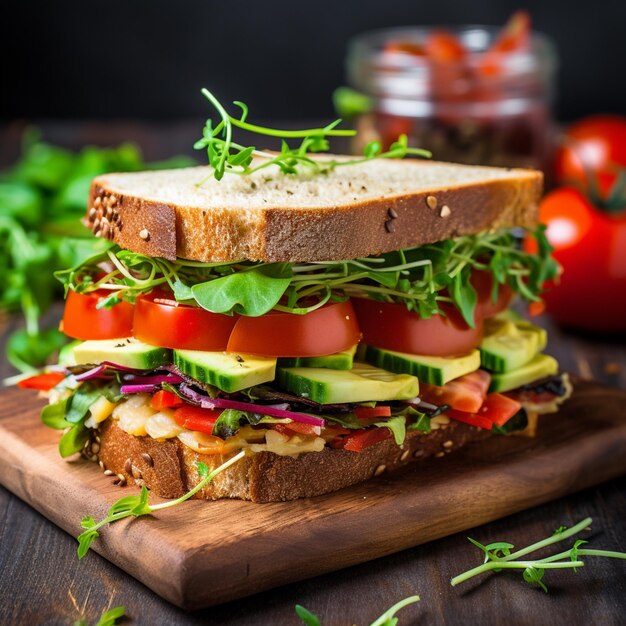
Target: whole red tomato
(591,247)
(592,153)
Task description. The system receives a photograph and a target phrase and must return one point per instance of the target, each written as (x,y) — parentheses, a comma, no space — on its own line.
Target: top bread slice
(352,211)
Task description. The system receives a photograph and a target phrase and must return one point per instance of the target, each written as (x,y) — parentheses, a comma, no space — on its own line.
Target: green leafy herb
(397,426)
(253,292)
(498,556)
(73,440)
(80,401)
(137,505)
(388,618)
(53,415)
(226,156)
(228,422)
(71,412)
(419,421)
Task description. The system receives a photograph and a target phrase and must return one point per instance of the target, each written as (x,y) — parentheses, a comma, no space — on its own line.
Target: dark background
(148,58)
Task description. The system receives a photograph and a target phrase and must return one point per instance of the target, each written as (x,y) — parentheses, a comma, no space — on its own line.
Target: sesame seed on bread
(352,211)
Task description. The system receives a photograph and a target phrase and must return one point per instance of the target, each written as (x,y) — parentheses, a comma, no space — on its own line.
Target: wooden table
(42,582)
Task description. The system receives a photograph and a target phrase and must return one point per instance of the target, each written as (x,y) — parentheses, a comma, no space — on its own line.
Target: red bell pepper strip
(42,382)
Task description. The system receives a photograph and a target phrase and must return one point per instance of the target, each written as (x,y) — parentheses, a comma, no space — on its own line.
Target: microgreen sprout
(227,156)
(388,618)
(421,278)
(108,618)
(498,556)
(136,505)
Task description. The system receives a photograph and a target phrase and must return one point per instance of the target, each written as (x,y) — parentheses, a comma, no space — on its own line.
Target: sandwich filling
(298,357)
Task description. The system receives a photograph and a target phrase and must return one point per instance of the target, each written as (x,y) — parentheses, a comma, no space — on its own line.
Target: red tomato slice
(165,400)
(82,320)
(366,412)
(392,327)
(197,418)
(296,428)
(496,409)
(470,418)
(466,393)
(160,321)
(360,440)
(482,281)
(499,409)
(330,329)
(42,382)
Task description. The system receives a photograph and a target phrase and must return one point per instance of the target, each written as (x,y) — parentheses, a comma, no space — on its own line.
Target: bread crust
(356,228)
(168,467)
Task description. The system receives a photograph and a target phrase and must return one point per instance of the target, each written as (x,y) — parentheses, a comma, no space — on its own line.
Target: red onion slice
(127,389)
(271,411)
(157,379)
(223,403)
(92,373)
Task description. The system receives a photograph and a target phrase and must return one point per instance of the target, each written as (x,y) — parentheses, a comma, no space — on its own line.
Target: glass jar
(462,111)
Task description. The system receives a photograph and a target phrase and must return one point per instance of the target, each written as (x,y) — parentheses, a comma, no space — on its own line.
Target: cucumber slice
(434,370)
(508,345)
(126,352)
(225,370)
(360,384)
(338,361)
(541,365)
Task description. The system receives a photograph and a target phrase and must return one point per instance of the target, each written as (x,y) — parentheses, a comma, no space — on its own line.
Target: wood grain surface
(42,581)
(206,553)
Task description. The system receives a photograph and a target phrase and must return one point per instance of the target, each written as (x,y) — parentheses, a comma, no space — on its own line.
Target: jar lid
(379,71)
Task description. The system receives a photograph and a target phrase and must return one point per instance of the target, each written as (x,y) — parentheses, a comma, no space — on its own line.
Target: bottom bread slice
(168,468)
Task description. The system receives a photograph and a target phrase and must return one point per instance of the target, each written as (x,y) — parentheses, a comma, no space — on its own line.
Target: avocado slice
(510,344)
(541,365)
(227,371)
(362,383)
(128,352)
(434,370)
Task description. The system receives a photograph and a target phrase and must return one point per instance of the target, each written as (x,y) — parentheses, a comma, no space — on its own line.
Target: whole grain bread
(353,211)
(168,467)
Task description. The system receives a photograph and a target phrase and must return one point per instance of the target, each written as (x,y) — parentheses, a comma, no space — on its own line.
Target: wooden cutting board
(204,553)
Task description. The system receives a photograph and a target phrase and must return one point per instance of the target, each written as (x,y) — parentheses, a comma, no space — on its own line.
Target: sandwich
(333,327)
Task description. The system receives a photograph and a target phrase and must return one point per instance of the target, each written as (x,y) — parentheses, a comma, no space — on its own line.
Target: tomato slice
(83,320)
(42,382)
(360,440)
(470,418)
(163,399)
(161,321)
(366,412)
(197,418)
(466,393)
(496,409)
(499,409)
(391,326)
(329,329)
